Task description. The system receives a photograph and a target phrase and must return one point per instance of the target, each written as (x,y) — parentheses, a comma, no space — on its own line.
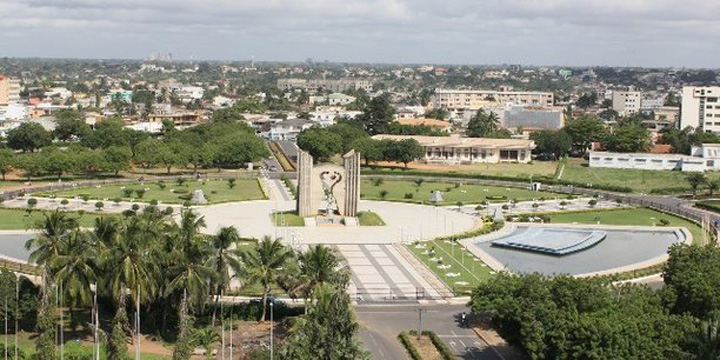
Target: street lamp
(272,304)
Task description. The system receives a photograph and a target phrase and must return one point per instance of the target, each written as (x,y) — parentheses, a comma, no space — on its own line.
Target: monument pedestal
(351,221)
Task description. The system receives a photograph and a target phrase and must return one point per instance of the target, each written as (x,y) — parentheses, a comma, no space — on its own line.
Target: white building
(327,118)
(461,150)
(60,92)
(289,129)
(473,99)
(627,102)
(701,158)
(190,93)
(701,108)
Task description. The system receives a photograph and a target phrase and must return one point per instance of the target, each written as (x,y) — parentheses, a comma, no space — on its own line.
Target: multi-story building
(9,90)
(289,129)
(461,100)
(461,150)
(701,108)
(532,118)
(334,85)
(627,102)
(701,158)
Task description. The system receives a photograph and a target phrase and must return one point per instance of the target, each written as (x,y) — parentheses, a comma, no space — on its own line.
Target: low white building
(701,158)
(327,118)
(462,150)
(289,129)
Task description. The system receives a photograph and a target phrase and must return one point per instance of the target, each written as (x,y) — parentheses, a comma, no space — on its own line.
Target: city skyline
(636,33)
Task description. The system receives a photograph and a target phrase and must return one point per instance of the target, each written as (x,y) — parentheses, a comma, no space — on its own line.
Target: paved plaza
(380,273)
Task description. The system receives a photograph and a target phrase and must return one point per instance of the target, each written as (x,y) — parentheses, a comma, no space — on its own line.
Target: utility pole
(17,313)
(420,311)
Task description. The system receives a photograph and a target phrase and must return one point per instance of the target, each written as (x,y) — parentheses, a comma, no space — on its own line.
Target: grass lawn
(369,218)
(16,219)
(468,193)
(523,171)
(287,218)
(438,254)
(631,216)
(216,191)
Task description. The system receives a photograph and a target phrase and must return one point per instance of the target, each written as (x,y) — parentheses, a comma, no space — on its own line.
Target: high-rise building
(701,108)
(9,90)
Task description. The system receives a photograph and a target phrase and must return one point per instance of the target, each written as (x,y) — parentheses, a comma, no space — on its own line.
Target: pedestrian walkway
(381,274)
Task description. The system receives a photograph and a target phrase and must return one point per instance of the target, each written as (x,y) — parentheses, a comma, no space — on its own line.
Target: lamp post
(420,311)
(272,303)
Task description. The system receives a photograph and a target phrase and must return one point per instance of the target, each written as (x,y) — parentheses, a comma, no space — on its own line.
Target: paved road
(381,326)
(289,148)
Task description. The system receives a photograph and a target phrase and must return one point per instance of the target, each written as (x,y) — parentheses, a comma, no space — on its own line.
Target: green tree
(31,163)
(58,162)
(264,265)
(117,158)
(225,259)
(7,159)
(320,143)
(368,148)
(558,143)
(328,330)
(584,131)
(108,132)
(238,149)
(70,124)
(695,180)
(627,138)
(319,265)
(404,151)
(482,124)
(29,136)
(377,115)
(692,278)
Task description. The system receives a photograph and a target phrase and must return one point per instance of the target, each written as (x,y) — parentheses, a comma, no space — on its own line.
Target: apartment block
(334,85)
(627,102)
(9,90)
(701,108)
(459,100)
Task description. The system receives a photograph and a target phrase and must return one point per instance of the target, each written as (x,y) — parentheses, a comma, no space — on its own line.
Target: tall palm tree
(45,247)
(76,269)
(265,265)
(224,261)
(190,225)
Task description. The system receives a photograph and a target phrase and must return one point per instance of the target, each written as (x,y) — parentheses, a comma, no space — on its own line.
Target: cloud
(622,32)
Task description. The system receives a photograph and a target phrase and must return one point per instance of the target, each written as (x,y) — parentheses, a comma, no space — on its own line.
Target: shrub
(127,192)
(140,193)
(418,182)
(180,181)
(459,203)
(664,222)
(479,207)
(505,207)
(187,204)
(128,213)
(185,197)
(412,351)
(21,193)
(213,191)
(161,184)
(535,205)
(377,182)
(117,201)
(31,202)
(153,202)
(169,210)
(2,199)
(180,191)
(592,203)
(383,193)
(496,197)
(135,207)
(99,205)
(231,183)
(563,203)
(85,197)
(64,202)
(409,195)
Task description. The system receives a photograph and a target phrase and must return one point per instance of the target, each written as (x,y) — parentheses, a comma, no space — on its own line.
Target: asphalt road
(381,326)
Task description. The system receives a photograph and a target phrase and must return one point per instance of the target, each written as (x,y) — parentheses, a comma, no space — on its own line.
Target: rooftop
(456,141)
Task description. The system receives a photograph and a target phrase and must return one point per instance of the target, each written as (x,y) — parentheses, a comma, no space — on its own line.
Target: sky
(649,33)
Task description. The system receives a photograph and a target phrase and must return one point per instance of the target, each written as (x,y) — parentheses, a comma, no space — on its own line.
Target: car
(273,168)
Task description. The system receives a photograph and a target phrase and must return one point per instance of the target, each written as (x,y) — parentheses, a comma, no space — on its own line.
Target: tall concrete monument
(328,190)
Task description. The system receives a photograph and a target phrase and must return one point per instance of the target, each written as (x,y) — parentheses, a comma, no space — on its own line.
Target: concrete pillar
(352,183)
(304,191)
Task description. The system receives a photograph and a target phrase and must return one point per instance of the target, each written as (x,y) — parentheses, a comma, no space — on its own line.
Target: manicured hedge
(494,226)
(439,344)
(712,205)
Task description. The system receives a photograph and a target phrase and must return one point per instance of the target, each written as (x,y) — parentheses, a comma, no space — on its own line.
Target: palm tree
(709,338)
(205,338)
(225,257)
(53,227)
(319,265)
(190,225)
(264,265)
(76,269)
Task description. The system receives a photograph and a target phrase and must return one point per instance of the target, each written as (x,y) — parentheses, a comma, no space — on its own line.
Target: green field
(632,216)
(438,253)
(452,193)
(369,218)
(216,191)
(17,219)
(287,218)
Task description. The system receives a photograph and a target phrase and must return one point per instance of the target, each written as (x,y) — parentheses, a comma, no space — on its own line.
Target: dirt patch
(425,347)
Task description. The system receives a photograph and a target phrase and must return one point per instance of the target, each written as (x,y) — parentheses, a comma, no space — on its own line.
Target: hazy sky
(540,32)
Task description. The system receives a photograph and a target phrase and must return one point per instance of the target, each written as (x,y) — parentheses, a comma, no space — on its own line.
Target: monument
(328,191)
(198,197)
